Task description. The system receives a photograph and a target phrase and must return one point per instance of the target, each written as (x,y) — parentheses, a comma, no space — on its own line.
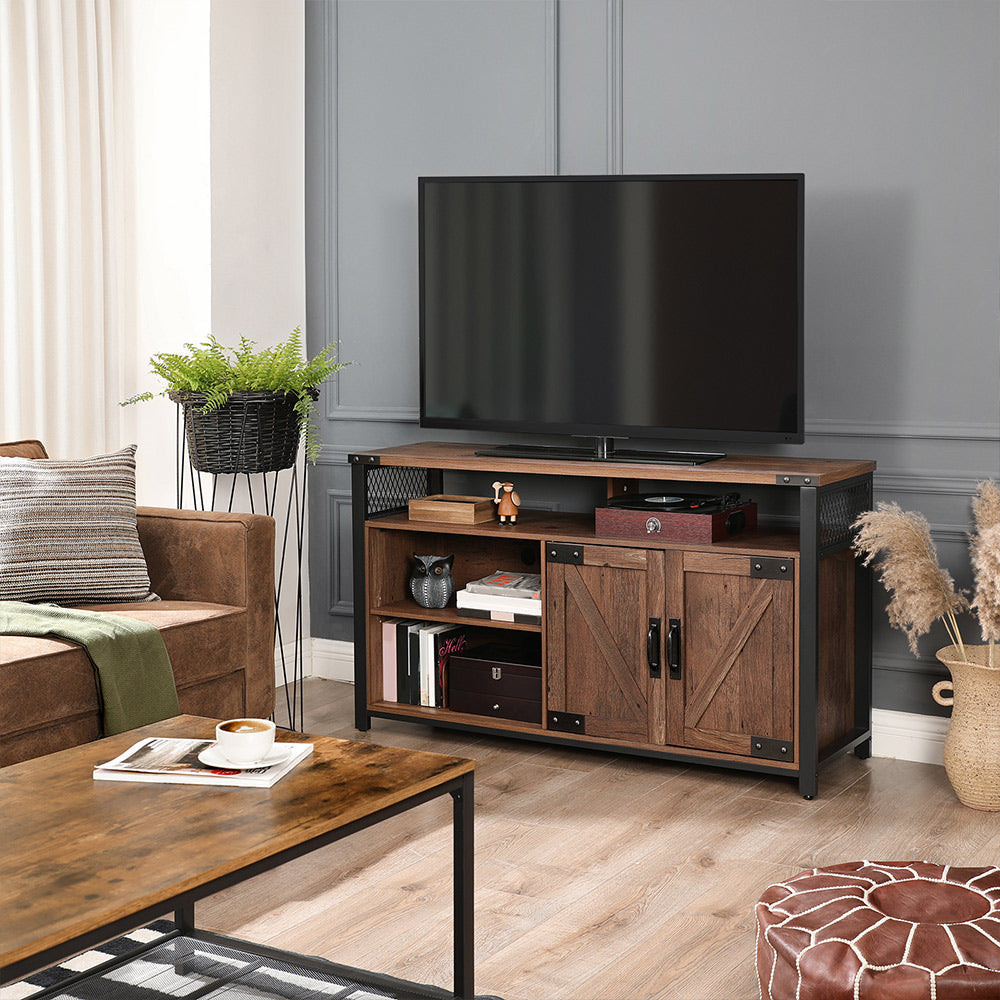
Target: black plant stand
(268,493)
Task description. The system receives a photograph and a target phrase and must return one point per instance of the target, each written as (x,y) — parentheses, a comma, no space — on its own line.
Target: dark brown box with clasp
(676,525)
(503,680)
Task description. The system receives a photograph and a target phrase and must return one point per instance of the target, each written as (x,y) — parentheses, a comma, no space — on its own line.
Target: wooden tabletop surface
(77,854)
(746,469)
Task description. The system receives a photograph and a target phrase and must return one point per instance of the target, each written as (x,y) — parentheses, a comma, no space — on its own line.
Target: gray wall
(891,109)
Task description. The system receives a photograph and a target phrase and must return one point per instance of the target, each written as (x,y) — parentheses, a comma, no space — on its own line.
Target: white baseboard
(288,649)
(908,737)
(894,734)
(333,659)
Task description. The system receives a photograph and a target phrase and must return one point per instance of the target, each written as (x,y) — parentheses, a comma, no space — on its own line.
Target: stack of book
(503,597)
(415,658)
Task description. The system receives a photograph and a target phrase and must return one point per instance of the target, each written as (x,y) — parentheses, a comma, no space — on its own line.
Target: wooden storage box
(498,680)
(452,509)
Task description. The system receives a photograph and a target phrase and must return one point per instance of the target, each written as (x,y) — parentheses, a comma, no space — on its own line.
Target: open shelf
(443,716)
(410,609)
(545,525)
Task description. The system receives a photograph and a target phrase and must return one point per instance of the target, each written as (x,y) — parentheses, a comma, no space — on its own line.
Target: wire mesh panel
(390,488)
(838,510)
(189,967)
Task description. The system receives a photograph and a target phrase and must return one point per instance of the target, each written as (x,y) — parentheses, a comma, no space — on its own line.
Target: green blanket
(134,680)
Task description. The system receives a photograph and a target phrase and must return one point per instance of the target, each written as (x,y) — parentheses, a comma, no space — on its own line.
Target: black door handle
(653,647)
(674,649)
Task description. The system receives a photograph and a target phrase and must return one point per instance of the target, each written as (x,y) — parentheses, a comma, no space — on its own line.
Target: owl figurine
(431,582)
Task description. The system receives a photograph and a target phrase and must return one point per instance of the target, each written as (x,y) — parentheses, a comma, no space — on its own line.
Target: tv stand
(752,653)
(603,451)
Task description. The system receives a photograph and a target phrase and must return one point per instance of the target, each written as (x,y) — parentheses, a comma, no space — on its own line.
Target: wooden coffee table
(82,861)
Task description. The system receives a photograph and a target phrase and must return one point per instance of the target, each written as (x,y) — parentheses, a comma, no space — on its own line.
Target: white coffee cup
(244,741)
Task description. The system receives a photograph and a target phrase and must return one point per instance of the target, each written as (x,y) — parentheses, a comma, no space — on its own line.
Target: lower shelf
(447,717)
(523,730)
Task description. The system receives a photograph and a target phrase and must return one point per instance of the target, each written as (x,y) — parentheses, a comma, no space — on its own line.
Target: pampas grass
(984,550)
(920,591)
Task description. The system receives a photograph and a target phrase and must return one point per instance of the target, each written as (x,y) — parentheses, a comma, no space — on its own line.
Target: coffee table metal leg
(464,890)
(184,918)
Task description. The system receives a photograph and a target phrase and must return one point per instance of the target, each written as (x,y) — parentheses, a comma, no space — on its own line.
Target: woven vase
(972,746)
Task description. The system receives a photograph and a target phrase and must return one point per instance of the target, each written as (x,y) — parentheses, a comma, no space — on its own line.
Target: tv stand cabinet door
(738,656)
(599,643)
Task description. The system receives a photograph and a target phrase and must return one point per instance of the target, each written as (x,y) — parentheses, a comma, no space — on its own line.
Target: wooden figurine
(508,503)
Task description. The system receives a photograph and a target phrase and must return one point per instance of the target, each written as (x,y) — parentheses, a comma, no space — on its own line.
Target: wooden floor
(598,877)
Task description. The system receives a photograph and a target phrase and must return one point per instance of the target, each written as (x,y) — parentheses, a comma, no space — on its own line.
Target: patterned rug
(185,967)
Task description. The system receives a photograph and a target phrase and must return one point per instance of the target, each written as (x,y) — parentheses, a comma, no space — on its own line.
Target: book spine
(414,665)
(389,678)
(403,662)
(426,665)
(446,645)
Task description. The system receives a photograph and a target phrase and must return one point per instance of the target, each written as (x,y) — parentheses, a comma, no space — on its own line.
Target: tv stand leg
(604,446)
(808,785)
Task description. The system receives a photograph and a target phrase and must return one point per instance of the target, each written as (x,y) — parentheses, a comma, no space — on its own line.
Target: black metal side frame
(817,540)
(462,792)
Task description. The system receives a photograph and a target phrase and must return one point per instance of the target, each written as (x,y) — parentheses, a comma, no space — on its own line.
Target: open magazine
(198,762)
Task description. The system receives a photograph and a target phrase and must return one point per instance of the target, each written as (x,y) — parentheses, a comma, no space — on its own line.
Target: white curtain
(62,224)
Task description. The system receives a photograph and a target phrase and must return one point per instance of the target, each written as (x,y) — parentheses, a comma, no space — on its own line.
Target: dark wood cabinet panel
(598,623)
(738,656)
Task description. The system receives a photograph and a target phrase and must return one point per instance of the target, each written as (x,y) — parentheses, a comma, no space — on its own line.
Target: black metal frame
(292,673)
(461,790)
(816,541)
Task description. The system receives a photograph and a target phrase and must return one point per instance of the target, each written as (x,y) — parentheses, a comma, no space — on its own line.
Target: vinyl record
(662,501)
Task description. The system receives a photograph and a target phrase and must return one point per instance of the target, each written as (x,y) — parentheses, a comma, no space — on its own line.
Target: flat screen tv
(655,306)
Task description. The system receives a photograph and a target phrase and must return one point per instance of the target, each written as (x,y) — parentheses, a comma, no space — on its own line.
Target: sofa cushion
(47,682)
(68,530)
(22,449)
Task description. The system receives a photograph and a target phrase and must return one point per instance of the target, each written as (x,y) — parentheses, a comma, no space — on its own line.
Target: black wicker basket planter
(253,432)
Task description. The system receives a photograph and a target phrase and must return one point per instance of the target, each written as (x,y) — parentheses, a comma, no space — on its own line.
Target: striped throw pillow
(68,531)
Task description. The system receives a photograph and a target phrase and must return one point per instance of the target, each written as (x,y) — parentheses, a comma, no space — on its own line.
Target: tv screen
(665,306)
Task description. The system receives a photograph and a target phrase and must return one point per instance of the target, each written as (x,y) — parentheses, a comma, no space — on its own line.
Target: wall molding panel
(338,526)
(833,427)
(552,86)
(615,70)
(331,455)
(931,483)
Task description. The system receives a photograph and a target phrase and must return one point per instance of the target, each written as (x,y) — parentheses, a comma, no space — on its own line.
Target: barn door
(736,690)
(604,633)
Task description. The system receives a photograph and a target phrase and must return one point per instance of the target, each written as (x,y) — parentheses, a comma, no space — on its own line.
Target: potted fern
(244,408)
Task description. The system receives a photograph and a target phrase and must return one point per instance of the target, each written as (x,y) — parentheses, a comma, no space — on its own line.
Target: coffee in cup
(244,741)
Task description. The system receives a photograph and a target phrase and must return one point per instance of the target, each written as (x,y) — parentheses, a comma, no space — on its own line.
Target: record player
(690,517)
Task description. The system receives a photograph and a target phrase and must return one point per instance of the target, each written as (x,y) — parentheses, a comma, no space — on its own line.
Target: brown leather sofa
(215,574)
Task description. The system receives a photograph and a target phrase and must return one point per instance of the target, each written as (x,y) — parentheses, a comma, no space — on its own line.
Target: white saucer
(213,757)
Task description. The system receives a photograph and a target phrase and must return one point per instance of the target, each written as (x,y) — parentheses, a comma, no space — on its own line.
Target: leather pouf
(867,930)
